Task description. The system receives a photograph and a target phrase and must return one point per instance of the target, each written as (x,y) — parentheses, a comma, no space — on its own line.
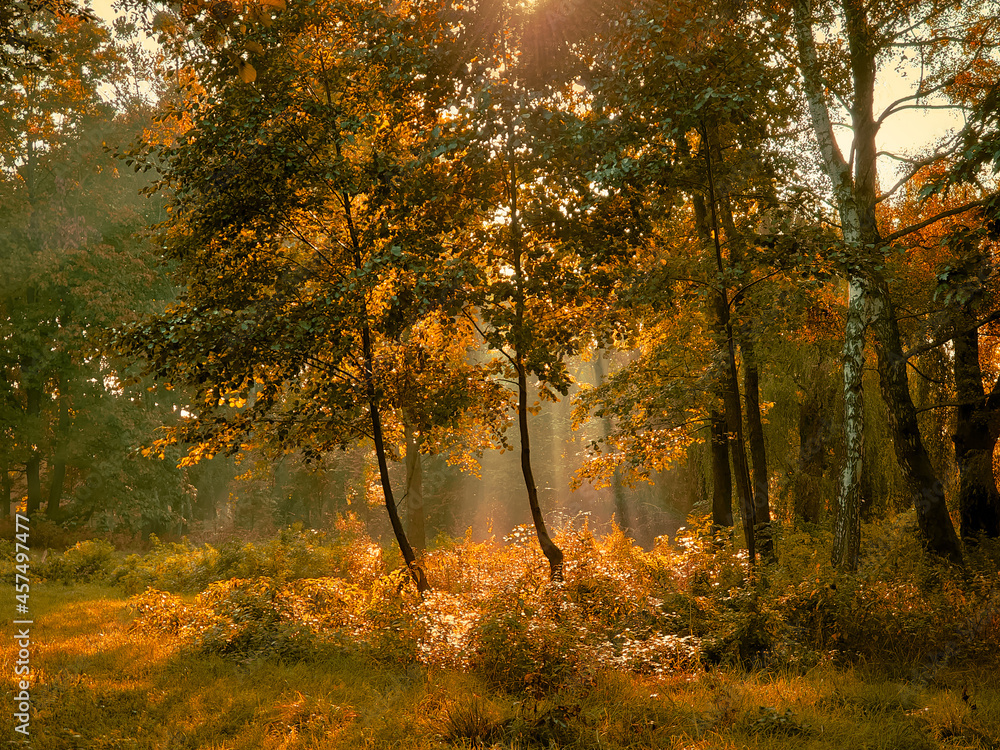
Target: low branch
(940,341)
(925,376)
(945,405)
(934,219)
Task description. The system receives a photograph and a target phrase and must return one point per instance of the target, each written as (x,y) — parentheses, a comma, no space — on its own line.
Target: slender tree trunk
(847,524)
(722,476)
(372,397)
(737,442)
(414,488)
(552,553)
(34,464)
(975,439)
(758,451)
(751,375)
(847,518)
(30,377)
(708,227)
(58,476)
(5,489)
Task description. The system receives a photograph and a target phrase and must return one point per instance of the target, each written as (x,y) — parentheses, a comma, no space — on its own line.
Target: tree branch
(934,219)
(940,341)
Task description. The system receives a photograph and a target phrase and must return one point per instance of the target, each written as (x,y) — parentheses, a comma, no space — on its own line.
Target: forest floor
(101,682)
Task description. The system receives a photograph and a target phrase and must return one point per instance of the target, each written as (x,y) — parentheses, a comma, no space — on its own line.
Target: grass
(102,683)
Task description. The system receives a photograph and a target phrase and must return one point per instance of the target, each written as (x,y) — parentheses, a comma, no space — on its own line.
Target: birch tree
(937,41)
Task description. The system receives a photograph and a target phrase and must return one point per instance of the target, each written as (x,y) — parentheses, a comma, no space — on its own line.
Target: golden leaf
(254,47)
(247,71)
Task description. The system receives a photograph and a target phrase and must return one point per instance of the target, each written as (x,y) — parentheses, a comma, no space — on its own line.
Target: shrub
(244,618)
(87,561)
(527,644)
(296,553)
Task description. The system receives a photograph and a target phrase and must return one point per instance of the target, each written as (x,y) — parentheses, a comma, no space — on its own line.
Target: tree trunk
(5,490)
(33,473)
(758,451)
(813,444)
(975,439)
(552,553)
(58,476)
(722,476)
(847,519)
(708,228)
(414,488)
(922,483)
(847,525)
(751,375)
(372,397)
(33,399)
(856,197)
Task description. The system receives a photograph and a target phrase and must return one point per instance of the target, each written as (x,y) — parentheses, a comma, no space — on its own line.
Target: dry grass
(670,648)
(102,683)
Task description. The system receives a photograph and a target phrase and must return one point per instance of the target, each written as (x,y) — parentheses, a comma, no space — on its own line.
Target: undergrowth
(321,641)
(678,608)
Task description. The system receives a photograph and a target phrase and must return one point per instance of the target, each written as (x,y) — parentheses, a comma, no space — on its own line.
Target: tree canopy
(405,226)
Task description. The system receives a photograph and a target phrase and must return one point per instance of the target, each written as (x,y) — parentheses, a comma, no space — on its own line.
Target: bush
(296,553)
(85,562)
(245,619)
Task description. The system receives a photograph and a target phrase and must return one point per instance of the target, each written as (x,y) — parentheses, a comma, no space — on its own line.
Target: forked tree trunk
(728,377)
(751,375)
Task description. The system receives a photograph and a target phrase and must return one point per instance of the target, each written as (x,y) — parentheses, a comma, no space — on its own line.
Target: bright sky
(907,131)
(103,9)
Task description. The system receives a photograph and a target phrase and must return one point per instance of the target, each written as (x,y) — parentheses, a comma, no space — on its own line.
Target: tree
(73,269)
(546,240)
(691,103)
(314,232)
(947,40)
